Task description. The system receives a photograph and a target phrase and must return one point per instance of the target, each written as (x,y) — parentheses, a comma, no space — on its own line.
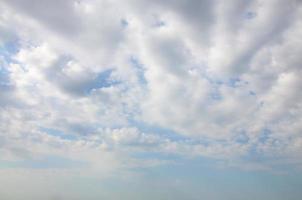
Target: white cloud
(211,72)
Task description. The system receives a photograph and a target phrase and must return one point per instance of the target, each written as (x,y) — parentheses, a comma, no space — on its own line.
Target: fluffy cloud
(216,79)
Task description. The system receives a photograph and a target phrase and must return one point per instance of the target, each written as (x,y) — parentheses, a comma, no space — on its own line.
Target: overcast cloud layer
(106,88)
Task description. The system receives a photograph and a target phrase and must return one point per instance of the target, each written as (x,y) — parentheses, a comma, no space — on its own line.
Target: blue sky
(197,99)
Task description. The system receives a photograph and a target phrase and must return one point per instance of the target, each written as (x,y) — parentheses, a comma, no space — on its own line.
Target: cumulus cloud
(99,82)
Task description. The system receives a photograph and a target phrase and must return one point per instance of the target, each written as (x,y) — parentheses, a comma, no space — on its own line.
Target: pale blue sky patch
(124,23)
(157,130)
(7,51)
(242,138)
(59,133)
(47,162)
(102,80)
(265,135)
(139,69)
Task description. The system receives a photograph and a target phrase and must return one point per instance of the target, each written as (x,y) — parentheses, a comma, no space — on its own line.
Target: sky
(144,100)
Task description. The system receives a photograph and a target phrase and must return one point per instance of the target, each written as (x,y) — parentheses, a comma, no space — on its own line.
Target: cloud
(221,77)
